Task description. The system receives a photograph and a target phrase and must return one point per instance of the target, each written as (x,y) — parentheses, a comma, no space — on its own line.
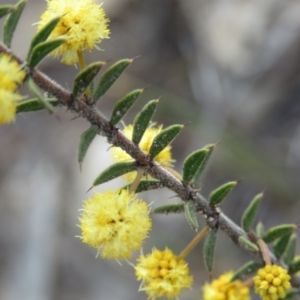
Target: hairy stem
(116,138)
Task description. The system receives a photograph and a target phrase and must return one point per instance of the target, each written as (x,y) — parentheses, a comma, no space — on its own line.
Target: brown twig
(116,138)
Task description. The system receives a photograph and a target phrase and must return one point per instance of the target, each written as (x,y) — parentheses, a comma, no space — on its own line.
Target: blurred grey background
(229,68)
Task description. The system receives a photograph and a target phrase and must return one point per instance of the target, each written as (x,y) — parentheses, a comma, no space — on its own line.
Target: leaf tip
(146,88)
(134,58)
(89,189)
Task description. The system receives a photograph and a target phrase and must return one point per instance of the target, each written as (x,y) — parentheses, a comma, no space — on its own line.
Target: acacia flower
(11,76)
(164,157)
(272,282)
(163,274)
(83,23)
(223,289)
(115,222)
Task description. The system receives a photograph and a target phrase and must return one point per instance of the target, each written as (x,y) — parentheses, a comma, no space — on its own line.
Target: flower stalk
(200,235)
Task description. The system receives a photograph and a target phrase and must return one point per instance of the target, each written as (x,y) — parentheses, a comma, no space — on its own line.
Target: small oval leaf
(142,121)
(209,249)
(86,139)
(168,209)
(114,171)
(260,230)
(11,22)
(42,50)
(248,244)
(280,245)
(43,35)
(43,101)
(123,106)
(146,185)
(163,139)
(5,10)
(109,77)
(278,231)
(219,194)
(250,213)
(85,77)
(248,269)
(294,267)
(34,105)
(290,251)
(192,164)
(191,214)
(198,175)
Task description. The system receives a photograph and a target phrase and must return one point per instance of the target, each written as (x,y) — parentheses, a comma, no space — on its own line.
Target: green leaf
(171,208)
(280,245)
(163,139)
(278,231)
(246,270)
(248,244)
(114,171)
(198,175)
(146,185)
(291,293)
(209,249)
(11,22)
(85,77)
(123,106)
(5,9)
(219,194)
(42,50)
(142,121)
(290,251)
(294,267)
(86,139)
(43,101)
(260,229)
(42,35)
(34,105)
(250,213)
(110,76)
(191,214)
(192,164)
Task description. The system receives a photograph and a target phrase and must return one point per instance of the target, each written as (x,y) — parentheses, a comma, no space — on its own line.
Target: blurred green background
(228,68)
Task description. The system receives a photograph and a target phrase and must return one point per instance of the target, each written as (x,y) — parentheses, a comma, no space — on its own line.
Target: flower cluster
(115,223)
(272,282)
(83,23)
(223,289)
(163,274)
(11,76)
(164,157)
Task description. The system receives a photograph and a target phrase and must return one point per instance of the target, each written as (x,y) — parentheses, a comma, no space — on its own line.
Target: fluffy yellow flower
(164,157)
(272,282)
(115,223)
(11,76)
(223,289)
(8,102)
(163,274)
(83,23)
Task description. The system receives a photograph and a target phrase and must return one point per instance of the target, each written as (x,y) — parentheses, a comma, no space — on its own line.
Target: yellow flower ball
(8,101)
(164,157)
(11,76)
(163,274)
(223,289)
(83,23)
(115,222)
(272,282)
